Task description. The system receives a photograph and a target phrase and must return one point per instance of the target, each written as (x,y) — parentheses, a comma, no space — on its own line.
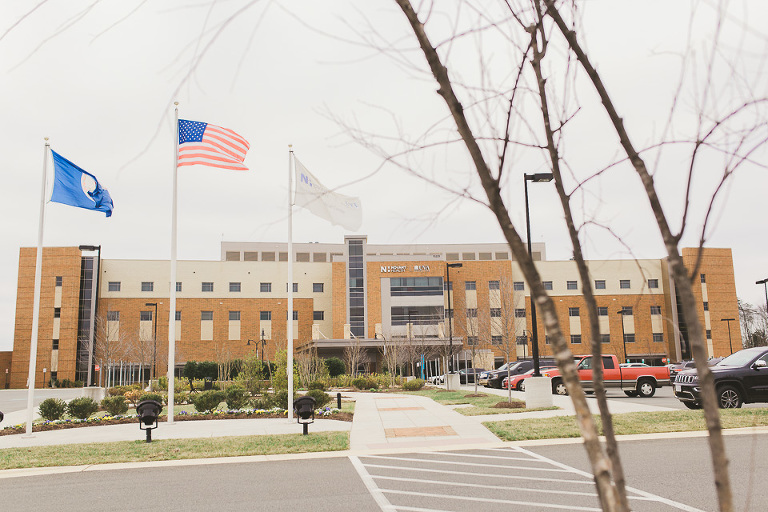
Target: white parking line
(376,493)
(484,475)
(536,504)
(431,461)
(457,454)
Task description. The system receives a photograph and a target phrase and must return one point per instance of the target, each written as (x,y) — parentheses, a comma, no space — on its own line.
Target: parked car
(634,365)
(675,368)
(468,375)
(633,381)
(517,382)
(740,378)
(497,376)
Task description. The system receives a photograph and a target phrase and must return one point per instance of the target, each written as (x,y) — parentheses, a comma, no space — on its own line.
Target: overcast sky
(99,78)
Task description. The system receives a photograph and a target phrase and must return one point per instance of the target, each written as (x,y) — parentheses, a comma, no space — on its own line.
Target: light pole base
(538,392)
(452,382)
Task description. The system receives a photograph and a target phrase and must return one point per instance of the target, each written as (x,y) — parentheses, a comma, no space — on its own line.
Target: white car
(634,365)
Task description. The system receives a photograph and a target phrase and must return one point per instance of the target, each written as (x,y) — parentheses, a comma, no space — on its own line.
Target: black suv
(495,377)
(740,378)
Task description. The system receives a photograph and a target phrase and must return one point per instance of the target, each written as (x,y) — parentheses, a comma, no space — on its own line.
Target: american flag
(214,146)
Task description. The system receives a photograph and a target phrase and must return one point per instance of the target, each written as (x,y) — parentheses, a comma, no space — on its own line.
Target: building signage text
(387,269)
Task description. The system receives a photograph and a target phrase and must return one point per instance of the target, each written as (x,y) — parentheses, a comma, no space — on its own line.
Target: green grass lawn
(171,449)
(630,423)
(478,405)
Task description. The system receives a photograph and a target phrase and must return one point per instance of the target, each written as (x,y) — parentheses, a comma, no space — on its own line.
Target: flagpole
(36,299)
(289,362)
(172,302)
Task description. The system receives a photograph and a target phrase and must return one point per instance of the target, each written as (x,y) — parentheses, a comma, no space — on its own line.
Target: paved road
(664,475)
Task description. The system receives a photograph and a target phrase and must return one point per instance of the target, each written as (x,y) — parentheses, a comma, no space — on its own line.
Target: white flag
(337,209)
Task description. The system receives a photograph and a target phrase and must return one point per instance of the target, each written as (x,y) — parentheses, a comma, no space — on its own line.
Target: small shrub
(365,383)
(237,397)
(115,405)
(82,407)
(78,384)
(181,397)
(316,385)
(133,396)
(162,383)
(280,399)
(335,366)
(320,396)
(261,403)
(208,400)
(66,383)
(157,397)
(413,385)
(52,408)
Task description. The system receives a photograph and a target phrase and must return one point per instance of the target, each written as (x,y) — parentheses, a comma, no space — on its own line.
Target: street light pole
(623,334)
(536,178)
(764,282)
(154,343)
(729,320)
(448,267)
(263,343)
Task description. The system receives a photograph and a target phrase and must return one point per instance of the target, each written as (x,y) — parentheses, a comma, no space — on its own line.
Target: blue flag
(76,187)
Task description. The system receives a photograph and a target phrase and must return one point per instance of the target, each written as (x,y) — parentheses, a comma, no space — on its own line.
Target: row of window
(207,286)
(601,311)
(146,316)
(575,339)
(624,284)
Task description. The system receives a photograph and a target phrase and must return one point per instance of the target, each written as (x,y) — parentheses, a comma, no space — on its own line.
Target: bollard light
(304,408)
(1,416)
(148,412)
(338,400)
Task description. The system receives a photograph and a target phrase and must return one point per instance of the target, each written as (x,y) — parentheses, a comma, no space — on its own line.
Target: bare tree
(353,355)
(111,343)
(510,321)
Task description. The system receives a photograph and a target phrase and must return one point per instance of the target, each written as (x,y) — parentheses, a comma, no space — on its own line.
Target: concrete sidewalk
(382,421)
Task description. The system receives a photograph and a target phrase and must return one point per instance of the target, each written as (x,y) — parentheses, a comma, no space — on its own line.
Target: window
(576,339)
(602,311)
(147,286)
(145,316)
(706,306)
(546,339)
(58,280)
(600,284)
(624,284)
(234,316)
(265,315)
(207,287)
(113,316)
(573,311)
(658,337)
(318,287)
(295,316)
(265,287)
(471,340)
(655,310)
(206,315)
(295,287)
(709,334)
(113,286)
(415,286)
(519,312)
(495,312)
(653,283)
(626,310)
(178,286)
(234,287)
(496,340)
(178,316)
(629,338)
(518,285)
(605,338)
(55,345)
(56,312)
(471,312)
(703,278)
(318,316)
(493,285)
(571,285)
(470,285)
(547,285)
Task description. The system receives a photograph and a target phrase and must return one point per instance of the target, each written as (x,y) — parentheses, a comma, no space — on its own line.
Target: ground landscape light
(304,408)
(148,412)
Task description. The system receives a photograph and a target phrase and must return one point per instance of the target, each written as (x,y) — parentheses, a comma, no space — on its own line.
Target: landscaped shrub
(237,397)
(320,396)
(208,400)
(133,396)
(162,383)
(335,366)
(52,408)
(365,383)
(115,405)
(122,390)
(182,397)
(316,385)
(157,397)
(280,399)
(82,407)
(413,385)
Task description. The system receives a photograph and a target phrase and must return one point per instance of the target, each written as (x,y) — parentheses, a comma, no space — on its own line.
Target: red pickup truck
(633,381)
